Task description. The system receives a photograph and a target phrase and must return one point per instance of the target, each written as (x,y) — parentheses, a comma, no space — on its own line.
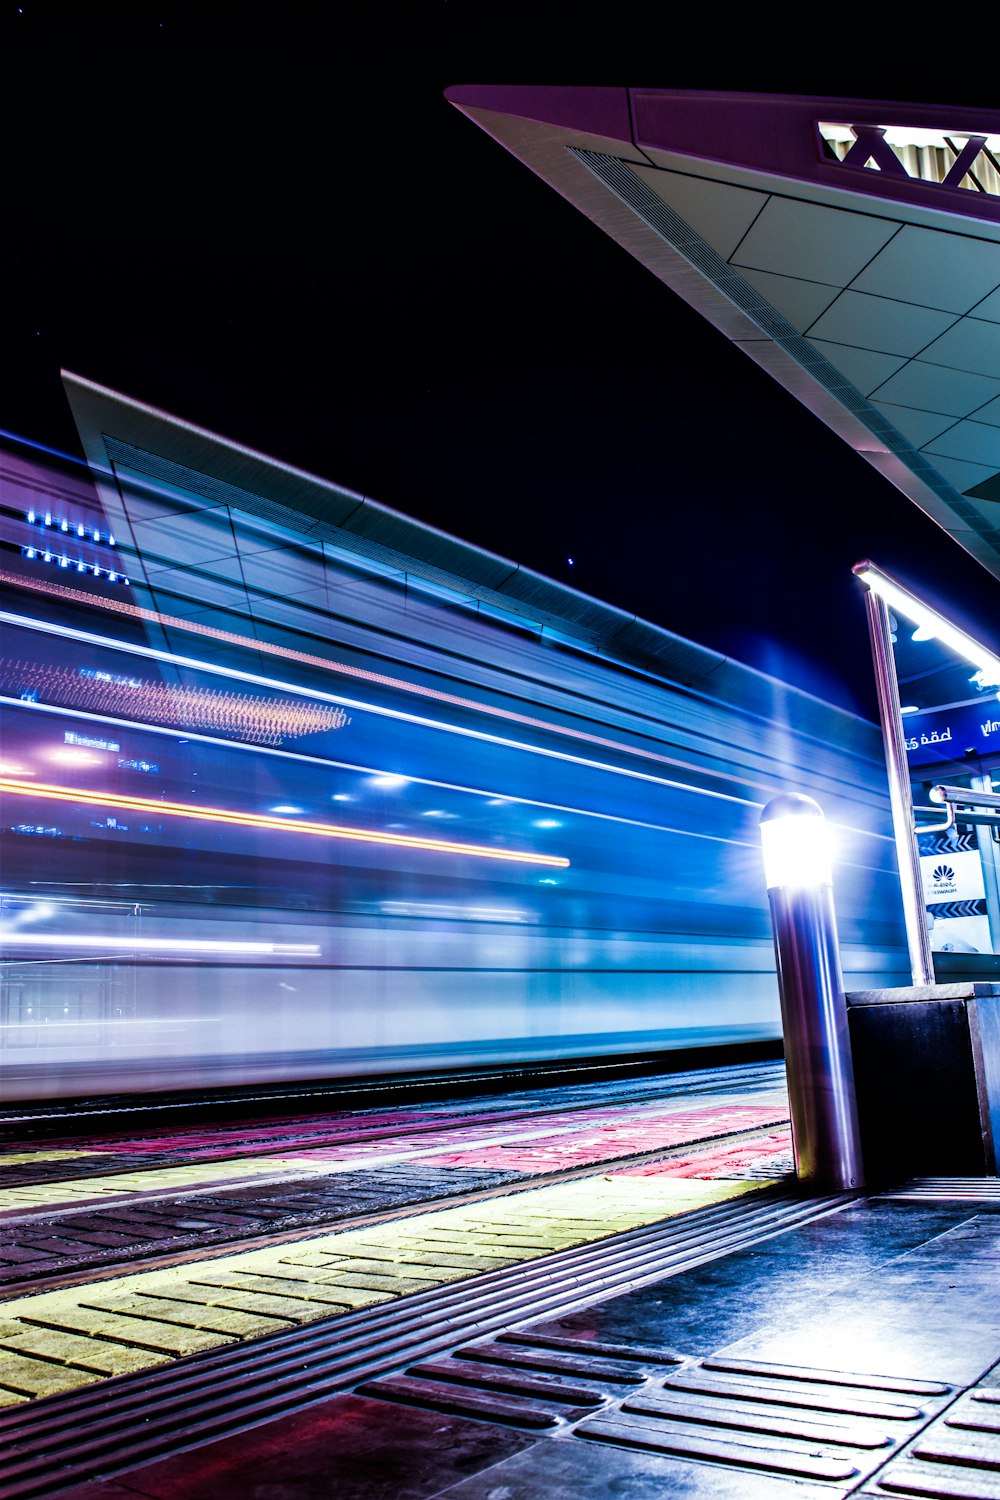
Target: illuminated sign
(950,733)
(89,741)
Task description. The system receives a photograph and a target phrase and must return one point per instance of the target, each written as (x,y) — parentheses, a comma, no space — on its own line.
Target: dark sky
(276,228)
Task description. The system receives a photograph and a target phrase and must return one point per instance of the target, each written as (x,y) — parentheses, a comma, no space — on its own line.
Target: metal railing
(953,798)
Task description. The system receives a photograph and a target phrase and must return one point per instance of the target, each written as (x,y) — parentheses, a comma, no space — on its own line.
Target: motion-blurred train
(279,808)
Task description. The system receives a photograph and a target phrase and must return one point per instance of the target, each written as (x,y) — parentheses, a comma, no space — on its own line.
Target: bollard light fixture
(796,843)
(821,1099)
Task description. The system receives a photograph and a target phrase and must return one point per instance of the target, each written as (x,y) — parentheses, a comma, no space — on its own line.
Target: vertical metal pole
(818,1063)
(900,801)
(988,857)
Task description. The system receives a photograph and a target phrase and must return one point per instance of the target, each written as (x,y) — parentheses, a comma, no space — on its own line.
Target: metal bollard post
(825,1134)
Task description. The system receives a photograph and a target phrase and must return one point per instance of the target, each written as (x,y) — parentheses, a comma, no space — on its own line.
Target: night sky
(276,228)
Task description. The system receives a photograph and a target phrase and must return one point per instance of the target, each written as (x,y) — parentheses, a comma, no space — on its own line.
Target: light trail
(101,799)
(157,945)
(381,679)
(90,638)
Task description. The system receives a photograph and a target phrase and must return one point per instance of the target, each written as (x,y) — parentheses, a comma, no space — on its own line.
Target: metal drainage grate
(946,1189)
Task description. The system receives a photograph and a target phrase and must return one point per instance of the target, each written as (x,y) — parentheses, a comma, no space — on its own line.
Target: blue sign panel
(937,734)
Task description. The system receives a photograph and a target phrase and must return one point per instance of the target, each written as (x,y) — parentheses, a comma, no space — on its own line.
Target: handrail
(944,827)
(961,795)
(954,797)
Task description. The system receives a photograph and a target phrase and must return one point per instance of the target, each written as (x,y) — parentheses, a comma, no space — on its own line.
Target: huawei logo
(943,872)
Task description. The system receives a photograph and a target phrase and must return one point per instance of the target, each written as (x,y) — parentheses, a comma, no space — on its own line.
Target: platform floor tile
(29,1158)
(158,1179)
(185,1309)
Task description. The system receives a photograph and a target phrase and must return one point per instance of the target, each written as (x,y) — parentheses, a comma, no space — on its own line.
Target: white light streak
(125,944)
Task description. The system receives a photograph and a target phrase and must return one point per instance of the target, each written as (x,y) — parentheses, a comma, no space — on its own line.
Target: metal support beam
(900,800)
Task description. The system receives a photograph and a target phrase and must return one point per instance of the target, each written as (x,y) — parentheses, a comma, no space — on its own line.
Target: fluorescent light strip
(914,609)
(101,799)
(158,945)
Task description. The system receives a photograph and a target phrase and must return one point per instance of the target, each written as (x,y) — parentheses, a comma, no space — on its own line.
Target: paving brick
(186,1312)
(390,1265)
(100,1238)
(318,1259)
(302,1292)
(389,1281)
(20,1255)
(257,1303)
(73,1349)
(423,1263)
(36,1377)
(135,1333)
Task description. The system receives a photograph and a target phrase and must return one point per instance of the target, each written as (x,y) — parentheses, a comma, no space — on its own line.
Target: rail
(951,798)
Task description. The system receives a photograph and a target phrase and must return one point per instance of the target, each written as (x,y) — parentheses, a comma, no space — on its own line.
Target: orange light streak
(100,799)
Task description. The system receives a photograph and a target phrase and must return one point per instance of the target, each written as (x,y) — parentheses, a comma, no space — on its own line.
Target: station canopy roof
(852,249)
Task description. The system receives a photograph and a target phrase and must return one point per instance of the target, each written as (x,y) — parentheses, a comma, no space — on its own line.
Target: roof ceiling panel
(720,212)
(969,345)
(990,412)
(806,240)
(880,323)
(988,509)
(989,308)
(956,393)
(918,427)
(910,249)
(962,474)
(970,440)
(935,269)
(863,368)
(801,302)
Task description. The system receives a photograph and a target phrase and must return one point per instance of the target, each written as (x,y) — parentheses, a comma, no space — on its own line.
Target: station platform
(678,1321)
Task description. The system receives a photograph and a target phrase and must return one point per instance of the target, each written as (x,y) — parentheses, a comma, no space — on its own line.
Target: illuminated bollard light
(797,867)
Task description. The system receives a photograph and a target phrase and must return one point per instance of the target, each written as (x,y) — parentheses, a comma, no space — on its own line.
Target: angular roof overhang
(862,274)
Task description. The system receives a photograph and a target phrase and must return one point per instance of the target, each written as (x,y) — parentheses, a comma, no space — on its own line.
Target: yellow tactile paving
(157,1179)
(21,1158)
(57,1340)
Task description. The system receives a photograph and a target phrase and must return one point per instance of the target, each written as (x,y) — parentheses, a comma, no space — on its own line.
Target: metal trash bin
(927,1075)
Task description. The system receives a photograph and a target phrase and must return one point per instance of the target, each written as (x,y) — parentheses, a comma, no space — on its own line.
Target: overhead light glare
(906,604)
